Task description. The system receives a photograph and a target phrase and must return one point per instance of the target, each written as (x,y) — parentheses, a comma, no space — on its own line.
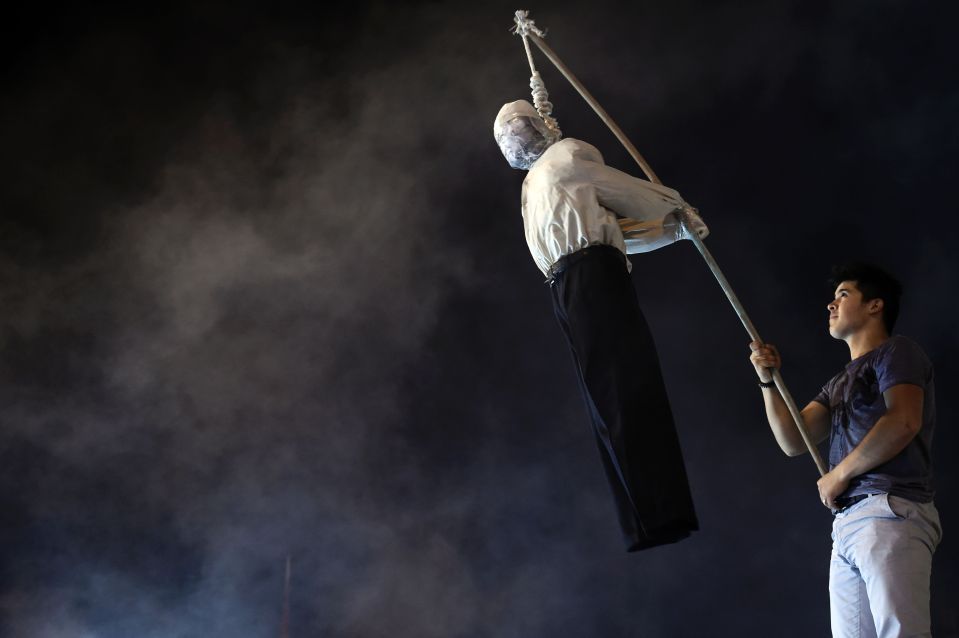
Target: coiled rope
(523,27)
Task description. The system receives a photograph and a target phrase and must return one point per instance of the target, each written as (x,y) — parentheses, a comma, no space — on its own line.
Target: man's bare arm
(815,415)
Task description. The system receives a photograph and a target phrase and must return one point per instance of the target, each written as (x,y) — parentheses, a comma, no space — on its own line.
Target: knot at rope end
(524,26)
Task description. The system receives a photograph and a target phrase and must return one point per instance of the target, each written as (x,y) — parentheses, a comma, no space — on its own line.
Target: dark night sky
(265,292)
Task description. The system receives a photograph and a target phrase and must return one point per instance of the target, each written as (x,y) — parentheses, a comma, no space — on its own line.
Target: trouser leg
(626,398)
(897,564)
(891,542)
(849,613)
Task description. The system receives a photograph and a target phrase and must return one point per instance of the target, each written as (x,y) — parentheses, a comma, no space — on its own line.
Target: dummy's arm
(644,237)
(645,209)
(630,196)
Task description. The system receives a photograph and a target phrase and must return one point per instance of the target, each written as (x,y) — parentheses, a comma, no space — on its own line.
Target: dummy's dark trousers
(622,384)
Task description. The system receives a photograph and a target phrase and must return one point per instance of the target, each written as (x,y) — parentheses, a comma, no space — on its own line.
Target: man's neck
(866,340)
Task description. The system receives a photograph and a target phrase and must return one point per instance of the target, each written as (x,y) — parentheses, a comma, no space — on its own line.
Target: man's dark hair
(874,283)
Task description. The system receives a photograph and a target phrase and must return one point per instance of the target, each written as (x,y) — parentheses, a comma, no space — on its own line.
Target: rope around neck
(523,27)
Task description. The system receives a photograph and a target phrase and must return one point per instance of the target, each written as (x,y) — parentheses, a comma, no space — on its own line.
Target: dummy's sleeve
(626,195)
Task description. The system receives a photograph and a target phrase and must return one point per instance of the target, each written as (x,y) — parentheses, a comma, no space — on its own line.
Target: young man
(575,212)
(879,414)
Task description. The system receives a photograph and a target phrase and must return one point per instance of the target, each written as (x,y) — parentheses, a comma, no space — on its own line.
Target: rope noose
(523,27)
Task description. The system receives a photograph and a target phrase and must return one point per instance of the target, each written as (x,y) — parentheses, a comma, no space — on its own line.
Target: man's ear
(876,305)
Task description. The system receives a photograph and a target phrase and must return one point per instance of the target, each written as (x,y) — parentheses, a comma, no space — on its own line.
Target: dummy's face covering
(521,134)
(522,141)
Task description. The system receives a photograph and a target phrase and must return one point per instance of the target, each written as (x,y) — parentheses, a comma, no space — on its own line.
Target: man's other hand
(831,486)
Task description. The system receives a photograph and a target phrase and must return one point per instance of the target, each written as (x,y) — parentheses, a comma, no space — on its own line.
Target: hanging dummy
(575,210)
(570,201)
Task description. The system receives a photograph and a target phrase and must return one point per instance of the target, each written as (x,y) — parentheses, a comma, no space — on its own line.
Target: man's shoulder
(900,346)
(901,360)
(902,341)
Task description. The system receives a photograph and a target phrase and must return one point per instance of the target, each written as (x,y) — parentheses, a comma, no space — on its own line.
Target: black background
(265,293)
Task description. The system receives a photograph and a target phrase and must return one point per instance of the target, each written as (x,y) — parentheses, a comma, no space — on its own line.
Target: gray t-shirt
(855,402)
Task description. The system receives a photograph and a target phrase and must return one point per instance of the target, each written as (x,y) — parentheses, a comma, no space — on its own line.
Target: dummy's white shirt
(571,199)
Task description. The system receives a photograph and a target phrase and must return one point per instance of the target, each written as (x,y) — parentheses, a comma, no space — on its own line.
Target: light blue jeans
(879,572)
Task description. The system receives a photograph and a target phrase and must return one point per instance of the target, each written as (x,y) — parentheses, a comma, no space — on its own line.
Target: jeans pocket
(896,510)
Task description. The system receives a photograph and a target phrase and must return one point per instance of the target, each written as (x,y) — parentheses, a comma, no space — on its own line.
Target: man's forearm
(782,424)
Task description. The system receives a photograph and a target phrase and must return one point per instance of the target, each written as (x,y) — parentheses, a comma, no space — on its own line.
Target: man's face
(848,312)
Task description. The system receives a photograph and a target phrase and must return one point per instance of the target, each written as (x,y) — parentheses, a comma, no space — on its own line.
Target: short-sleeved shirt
(855,402)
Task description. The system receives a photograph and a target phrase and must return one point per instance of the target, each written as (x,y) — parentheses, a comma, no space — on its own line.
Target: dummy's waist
(566,261)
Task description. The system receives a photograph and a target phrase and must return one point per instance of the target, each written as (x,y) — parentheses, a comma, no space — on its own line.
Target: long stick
(700,246)
(754,335)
